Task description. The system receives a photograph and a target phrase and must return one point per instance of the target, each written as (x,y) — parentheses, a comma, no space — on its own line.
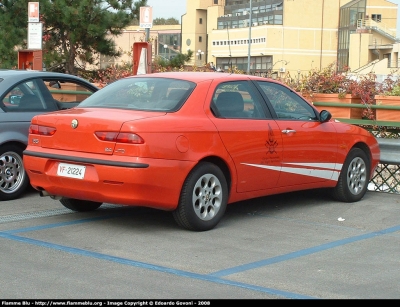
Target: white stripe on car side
(335,166)
(326,170)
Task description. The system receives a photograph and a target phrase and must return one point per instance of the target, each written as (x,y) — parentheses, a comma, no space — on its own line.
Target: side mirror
(14,99)
(55,84)
(324,116)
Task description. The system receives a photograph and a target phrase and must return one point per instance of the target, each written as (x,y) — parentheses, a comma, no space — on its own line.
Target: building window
(215,1)
(200,20)
(377,17)
(200,39)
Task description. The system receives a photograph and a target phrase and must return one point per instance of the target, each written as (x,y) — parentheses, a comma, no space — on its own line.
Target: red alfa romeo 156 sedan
(193,142)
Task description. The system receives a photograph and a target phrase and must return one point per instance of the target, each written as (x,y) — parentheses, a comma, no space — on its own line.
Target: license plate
(71,170)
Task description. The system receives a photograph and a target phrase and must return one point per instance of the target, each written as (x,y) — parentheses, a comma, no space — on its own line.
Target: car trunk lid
(76,128)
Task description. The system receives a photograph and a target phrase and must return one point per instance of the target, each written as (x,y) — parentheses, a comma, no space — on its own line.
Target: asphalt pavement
(295,246)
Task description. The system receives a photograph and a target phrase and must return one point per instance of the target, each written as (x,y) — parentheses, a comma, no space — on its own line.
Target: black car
(24,94)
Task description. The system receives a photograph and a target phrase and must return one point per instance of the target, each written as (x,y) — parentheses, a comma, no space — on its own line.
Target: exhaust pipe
(44,194)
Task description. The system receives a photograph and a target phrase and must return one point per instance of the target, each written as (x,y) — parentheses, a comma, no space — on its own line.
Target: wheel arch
(21,145)
(14,137)
(364,147)
(223,166)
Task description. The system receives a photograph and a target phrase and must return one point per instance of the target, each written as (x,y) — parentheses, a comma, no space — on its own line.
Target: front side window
(286,104)
(25,96)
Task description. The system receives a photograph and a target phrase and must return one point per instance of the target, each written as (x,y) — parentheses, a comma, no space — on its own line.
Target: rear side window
(67,91)
(237,100)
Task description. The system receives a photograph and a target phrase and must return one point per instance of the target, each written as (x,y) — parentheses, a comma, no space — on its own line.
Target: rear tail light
(122,137)
(41,130)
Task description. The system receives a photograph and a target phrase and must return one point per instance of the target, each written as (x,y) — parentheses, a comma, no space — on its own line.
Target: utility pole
(249,49)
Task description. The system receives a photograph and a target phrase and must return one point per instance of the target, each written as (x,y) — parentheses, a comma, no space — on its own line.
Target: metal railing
(387,175)
(359,121)
(377,26)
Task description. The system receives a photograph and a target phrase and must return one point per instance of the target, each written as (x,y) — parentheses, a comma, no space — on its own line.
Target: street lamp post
(165,51)
(249,46)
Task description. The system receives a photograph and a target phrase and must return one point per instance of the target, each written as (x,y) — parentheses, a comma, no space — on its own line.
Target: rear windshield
(148,94)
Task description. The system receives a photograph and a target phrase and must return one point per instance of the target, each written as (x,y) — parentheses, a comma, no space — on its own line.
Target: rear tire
(13,178)
(354,177)
(203,199)
(79,205)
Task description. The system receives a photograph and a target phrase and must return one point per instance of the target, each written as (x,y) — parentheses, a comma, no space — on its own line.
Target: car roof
(9,77)
(5,73)
(200,76)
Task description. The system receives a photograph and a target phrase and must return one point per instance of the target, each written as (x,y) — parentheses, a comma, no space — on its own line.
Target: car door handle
(287,131)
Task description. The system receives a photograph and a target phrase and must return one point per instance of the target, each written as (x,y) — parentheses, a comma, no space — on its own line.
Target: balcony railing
(377,26)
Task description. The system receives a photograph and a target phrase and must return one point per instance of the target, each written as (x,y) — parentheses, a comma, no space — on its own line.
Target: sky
(398,16)
(168,8)
(177,8)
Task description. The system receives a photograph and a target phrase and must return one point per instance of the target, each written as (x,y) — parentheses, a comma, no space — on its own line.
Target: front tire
(79,205)
(354,177)
(203,199)
(13,178)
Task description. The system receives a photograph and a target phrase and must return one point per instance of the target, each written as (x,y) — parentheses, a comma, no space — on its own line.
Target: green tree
(73,30)
(177,61)
(163,21)
(180,59)
(13,31)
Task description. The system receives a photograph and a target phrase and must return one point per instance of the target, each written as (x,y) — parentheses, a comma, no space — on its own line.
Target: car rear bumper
(152,183)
